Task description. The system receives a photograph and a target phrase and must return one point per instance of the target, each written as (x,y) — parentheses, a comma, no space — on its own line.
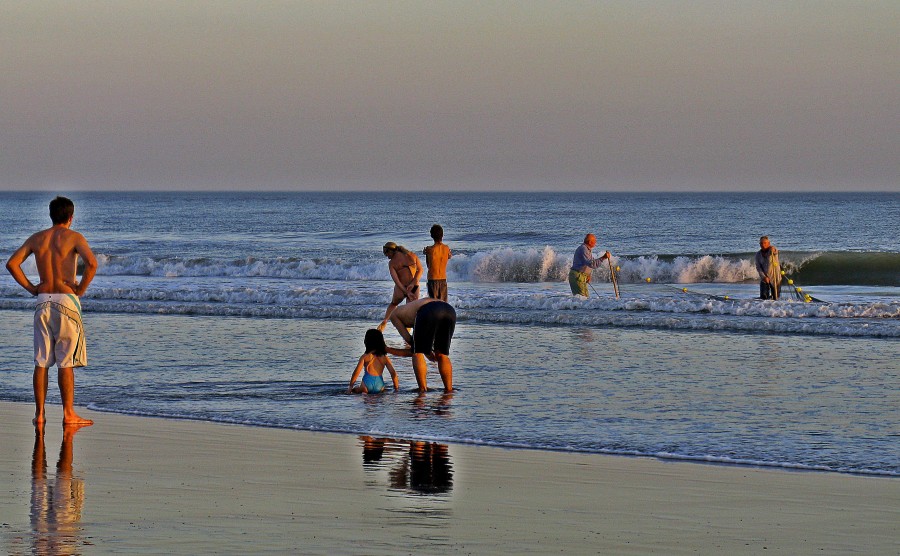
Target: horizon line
(453,191)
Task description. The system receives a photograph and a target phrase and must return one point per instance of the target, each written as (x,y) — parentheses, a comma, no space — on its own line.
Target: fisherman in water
(769,270)
(582,264)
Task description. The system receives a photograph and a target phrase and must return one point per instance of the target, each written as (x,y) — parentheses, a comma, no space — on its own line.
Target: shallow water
(804,402)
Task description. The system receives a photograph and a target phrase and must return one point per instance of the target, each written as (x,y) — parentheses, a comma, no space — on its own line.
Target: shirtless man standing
(436,257)
(58,331)
(406,270)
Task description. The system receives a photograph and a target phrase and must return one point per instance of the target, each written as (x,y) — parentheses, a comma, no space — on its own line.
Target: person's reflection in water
(585,342)
(56,506)
(430,471)
(423,467)
(373,450)
(422,409)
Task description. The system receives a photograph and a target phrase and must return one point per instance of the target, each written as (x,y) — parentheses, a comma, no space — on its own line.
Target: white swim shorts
(58,331)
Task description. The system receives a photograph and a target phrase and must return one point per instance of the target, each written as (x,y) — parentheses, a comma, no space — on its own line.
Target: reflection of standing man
(583,263)
(425,469)
(769,270)
(436,257)
(406,270)
(56,507)
(58,330)
(430,471)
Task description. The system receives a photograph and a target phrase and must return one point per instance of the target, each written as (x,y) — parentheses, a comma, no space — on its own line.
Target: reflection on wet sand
(413,466)
(56,504)
(419,477)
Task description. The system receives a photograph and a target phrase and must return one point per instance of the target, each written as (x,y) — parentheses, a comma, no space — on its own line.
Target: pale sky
(458,95)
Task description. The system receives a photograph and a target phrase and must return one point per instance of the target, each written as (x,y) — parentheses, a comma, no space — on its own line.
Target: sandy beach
(145,485)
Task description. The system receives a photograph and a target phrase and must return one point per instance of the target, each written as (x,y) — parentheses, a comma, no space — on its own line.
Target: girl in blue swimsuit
(372,364)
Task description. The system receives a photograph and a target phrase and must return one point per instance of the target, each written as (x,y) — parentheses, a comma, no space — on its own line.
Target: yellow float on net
(618,268)
(648,280)
(726,298)
(799,289)
(790,282)
(684,290)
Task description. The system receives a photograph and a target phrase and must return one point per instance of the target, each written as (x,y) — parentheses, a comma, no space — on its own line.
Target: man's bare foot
(75,419)
(39,420)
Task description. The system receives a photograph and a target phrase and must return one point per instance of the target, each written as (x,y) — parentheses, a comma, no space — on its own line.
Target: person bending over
(433,323)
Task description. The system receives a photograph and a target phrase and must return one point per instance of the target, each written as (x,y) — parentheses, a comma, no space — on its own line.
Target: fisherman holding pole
(769,270)
(583,264)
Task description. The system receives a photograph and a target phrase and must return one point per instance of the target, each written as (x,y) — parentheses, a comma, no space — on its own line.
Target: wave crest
(532,266)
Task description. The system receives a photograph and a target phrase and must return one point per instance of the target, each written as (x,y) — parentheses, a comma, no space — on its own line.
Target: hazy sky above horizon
(462,95)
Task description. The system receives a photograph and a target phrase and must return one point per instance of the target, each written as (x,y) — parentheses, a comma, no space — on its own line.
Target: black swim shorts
(433,329)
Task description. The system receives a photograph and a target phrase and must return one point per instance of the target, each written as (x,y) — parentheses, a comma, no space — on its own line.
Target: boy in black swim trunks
(433,322)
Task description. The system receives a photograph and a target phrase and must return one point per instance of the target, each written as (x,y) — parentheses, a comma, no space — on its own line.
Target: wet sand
(143,485)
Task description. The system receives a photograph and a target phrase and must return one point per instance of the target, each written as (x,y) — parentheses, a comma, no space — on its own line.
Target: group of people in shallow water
(59,338)
(766,261)
(59,333)
(431,319)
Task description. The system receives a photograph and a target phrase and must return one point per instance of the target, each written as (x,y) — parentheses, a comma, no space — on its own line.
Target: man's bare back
(56,251)
(406,314)
(436,257)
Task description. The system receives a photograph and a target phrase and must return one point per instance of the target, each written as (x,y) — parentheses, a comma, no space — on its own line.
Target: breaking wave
(534,266)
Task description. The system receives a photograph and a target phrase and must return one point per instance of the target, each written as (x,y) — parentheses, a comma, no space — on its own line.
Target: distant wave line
(508,265)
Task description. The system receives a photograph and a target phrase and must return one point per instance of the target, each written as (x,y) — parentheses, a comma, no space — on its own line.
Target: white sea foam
(523,266)
(508,265)
(646,307)
(497,265)
(250,267)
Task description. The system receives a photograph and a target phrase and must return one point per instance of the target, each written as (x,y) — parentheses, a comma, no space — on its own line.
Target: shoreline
(143,484)
(663,458)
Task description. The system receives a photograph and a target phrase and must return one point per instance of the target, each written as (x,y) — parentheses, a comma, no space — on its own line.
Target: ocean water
(251,307)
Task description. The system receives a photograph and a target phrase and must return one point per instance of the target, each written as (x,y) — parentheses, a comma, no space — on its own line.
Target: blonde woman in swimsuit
(406,271)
